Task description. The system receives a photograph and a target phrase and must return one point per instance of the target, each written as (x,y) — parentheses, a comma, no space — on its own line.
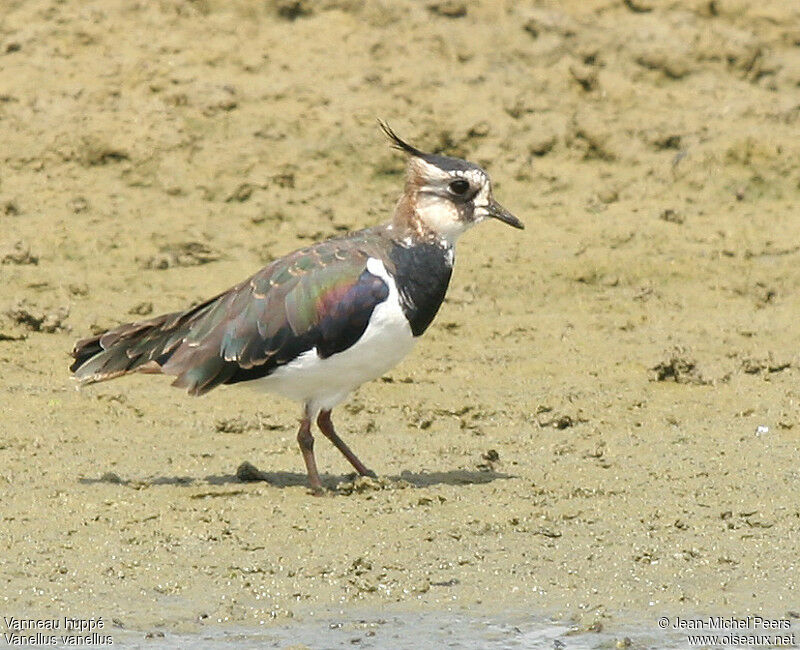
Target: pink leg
(326,426)
(306,441)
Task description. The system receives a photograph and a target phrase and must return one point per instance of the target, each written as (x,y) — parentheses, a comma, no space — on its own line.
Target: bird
(314,325)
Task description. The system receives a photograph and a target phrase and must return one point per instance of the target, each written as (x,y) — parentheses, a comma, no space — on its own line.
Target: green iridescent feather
(260,322)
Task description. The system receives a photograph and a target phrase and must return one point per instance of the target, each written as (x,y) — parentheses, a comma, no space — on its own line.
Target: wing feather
(318,298)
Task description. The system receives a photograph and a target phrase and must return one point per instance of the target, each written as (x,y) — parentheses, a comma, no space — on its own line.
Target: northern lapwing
(316,324)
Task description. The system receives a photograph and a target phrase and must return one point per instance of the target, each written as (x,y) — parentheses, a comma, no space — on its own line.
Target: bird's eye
(459,186)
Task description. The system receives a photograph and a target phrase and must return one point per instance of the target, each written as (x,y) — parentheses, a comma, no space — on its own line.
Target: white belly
(323,383)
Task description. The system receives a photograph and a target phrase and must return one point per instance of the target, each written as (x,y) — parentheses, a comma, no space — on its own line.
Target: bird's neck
(410,224)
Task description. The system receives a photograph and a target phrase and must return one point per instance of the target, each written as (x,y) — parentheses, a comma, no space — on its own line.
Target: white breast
(323,383)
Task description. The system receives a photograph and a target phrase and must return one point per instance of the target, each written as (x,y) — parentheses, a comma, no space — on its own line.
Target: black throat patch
(422,273)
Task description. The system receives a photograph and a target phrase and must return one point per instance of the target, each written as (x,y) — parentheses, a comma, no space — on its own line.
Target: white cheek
(441,217)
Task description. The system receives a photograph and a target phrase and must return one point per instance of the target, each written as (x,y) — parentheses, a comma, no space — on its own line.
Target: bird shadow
(247,473)
(451,477)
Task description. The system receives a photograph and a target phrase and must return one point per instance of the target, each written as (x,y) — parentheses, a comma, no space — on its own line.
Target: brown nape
(406,221)
(405,211)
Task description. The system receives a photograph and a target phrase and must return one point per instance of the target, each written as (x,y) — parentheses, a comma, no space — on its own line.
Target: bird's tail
(143,346)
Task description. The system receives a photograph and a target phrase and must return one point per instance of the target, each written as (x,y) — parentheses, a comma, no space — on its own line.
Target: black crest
(445,163)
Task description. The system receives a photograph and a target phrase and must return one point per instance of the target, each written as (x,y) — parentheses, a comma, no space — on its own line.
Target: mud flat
(602,425)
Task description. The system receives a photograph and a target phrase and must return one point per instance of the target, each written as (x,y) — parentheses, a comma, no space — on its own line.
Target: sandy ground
(602,424)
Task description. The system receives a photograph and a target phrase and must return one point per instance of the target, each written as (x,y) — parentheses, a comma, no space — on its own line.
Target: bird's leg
(326,426)
(306,441)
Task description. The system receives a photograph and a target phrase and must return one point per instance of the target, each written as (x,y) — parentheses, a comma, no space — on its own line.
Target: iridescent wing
(321,297)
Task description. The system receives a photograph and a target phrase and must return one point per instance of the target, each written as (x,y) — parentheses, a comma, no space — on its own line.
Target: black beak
(497,211)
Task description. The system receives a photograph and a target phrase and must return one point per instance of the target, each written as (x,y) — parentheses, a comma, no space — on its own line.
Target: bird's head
(445,196)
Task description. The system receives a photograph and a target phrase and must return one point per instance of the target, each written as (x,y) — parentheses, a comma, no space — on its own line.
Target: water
(405,632)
